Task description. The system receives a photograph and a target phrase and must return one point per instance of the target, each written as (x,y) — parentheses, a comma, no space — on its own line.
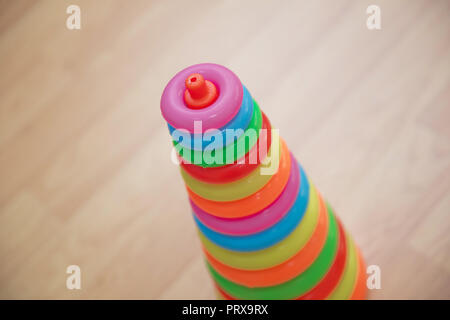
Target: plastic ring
(272,235)
(240,121)
(285,271)
(219,294)
(222,294)
(218,114)
(240,146)
(276,254)
(347,283)
(241,188)
(292,288)
(360,291)
(261,220)
(247,206)
(331,279)
(235,171)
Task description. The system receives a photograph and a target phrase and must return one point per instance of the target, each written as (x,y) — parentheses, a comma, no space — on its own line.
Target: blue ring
(270,236)
(240,121)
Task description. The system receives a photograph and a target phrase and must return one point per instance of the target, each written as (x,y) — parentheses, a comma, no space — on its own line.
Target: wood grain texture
(85,170)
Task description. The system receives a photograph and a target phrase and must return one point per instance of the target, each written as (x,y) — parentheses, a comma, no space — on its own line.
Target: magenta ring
(218,114)
(261,220)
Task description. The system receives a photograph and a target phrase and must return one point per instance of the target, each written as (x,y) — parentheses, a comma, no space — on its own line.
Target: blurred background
(85,172)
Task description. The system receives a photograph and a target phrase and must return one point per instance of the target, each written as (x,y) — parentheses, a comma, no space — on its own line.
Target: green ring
(255,124)
(292,288)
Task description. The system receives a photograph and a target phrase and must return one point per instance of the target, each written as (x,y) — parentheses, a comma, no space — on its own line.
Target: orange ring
(282,272)
(360,291)
(255,202)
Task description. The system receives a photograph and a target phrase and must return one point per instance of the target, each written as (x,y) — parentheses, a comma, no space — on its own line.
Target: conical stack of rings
(266,231)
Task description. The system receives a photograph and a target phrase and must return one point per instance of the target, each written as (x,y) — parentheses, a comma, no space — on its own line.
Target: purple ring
(218,114)
(261,220)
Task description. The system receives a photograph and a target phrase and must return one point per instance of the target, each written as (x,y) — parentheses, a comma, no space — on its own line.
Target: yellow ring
(219,295)
(344,288)
(239,189)
(276,254)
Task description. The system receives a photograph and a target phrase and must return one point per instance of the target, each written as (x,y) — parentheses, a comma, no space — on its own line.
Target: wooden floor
(85,170)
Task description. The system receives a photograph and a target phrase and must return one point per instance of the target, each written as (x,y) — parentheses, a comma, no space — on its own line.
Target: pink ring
(261,220)
(218,114)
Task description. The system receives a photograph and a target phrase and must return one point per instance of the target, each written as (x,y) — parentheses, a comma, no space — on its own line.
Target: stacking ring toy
(241,188)
(292,288)
(360,289)
(347,283)
(240,121)
(242,167)
(265,230)
(272,235)
(274,255)
(285,271)
(261,220)
(250,205)
(227,154)
(218,114)
(331,279)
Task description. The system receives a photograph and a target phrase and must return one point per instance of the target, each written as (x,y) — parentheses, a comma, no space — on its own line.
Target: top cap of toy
(199,93)
(181,109)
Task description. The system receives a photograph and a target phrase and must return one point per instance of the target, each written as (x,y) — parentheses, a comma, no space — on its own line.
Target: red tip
(199,93)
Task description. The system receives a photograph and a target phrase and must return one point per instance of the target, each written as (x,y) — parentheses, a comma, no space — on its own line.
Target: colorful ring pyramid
(266,231)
